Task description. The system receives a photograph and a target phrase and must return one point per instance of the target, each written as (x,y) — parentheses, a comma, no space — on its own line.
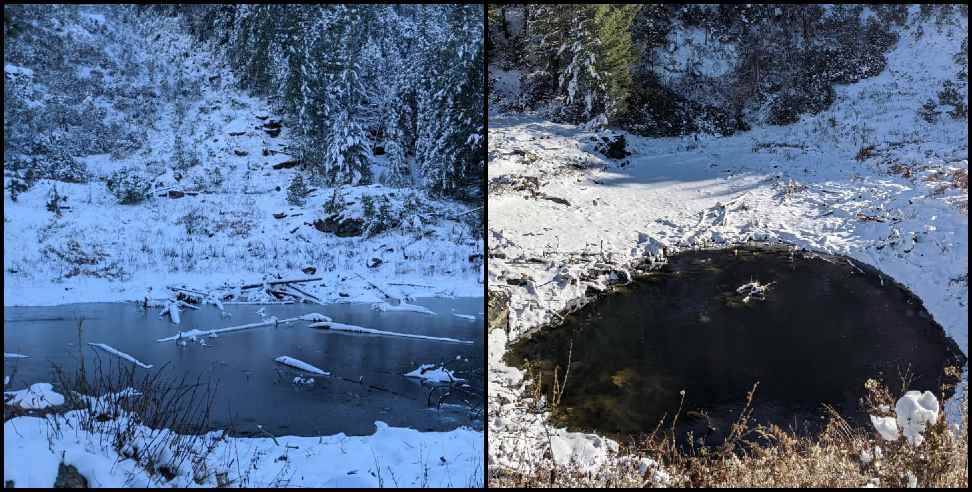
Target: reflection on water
(367,385)
(822,330)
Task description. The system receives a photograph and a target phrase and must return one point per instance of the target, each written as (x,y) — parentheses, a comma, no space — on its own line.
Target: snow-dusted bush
(129,186)
(378,219)
(929,111)
(55,163)
(195,221)
(297,191)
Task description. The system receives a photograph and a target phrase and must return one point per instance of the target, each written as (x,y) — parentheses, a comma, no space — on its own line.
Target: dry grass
(839,456)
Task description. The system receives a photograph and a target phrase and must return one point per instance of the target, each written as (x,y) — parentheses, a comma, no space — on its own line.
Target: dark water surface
(823,330)
(253,389)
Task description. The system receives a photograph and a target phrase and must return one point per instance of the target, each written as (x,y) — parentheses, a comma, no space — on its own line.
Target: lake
(809,328)
(367,382)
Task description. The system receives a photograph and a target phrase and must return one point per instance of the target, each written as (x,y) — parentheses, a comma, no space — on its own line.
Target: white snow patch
(37,396)
(299,364)
(403,307)
(431,373)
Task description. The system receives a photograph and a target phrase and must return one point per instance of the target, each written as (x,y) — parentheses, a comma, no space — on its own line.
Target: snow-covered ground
(391,457)
(563,218)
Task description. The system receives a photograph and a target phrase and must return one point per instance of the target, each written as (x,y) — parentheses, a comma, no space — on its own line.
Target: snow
(172,309)
(469,317)
(798,184)
(311,317)
(433,374)
(299,364)
(402,307)
(914,411)
(17,70)
(120,354)
(389,457)
(360,329)
(37,396)
(8,355)
(887,427)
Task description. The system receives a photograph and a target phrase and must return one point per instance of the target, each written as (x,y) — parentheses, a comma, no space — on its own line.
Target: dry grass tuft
(839,456)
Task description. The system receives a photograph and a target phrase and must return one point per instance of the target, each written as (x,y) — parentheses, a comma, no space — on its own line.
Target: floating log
(192,334)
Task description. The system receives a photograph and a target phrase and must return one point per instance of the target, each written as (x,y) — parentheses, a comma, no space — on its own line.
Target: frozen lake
(367,381)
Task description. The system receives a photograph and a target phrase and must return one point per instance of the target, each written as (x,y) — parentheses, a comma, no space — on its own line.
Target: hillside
(167,172)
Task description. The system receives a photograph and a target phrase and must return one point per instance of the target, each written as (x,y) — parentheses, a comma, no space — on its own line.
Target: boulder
(240,152)
(309,270)
(175,194)
(374,263)
(340,226)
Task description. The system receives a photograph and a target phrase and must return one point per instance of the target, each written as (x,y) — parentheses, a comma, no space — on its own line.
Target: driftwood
(379,289)
(282,281)
(312,297)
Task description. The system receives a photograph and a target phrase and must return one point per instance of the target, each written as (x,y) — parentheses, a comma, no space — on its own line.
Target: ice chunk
(15,356)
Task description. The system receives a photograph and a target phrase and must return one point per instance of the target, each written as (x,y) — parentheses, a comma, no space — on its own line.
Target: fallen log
(379,289)
(193,334)
(281,281)
(315,298)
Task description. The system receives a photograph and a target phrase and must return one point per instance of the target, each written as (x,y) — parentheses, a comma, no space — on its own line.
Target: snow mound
(315,317)
(886,427)
(403,307)
(914,411)
(429,372)
(38,396)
